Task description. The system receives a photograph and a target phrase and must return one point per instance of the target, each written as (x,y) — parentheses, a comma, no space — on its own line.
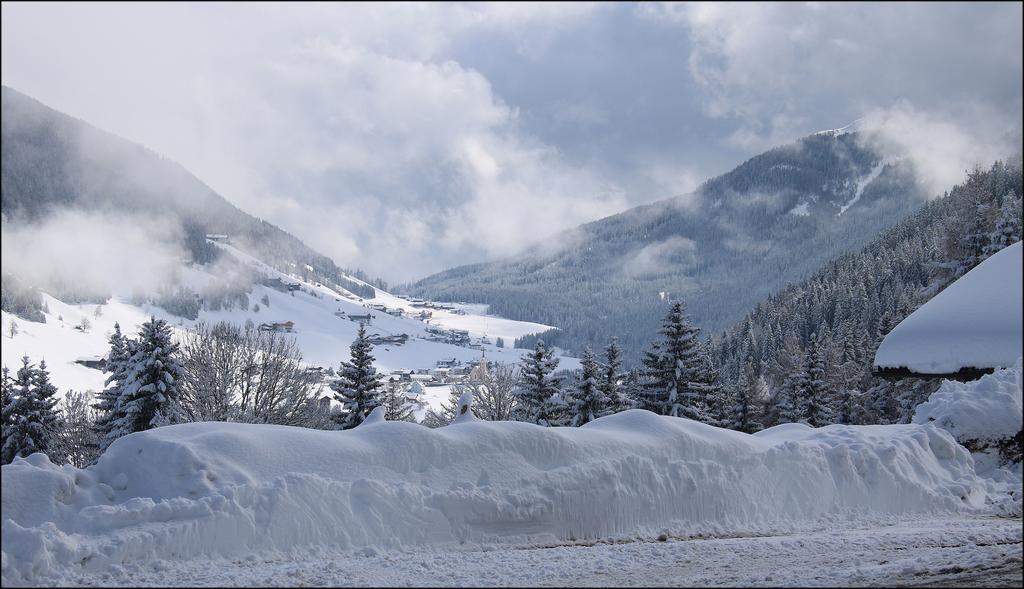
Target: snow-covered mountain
(740,237)
(223,265)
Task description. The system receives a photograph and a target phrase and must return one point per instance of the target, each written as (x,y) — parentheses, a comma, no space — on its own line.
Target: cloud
(407,138)
(775,67)
(93,253)
(942,146)
(658,258)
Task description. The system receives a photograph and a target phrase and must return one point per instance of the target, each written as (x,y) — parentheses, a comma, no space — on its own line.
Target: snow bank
(985,409)
(985,416)
(974,323)
(209,489)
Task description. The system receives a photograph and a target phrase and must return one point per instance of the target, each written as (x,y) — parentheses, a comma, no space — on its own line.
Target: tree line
(804,355)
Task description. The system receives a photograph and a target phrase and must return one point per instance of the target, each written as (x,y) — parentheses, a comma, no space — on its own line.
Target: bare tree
(396,406)
(493,398)
(243,374)
(77,439)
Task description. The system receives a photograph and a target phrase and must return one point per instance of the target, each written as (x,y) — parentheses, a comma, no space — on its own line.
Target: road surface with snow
(979,551)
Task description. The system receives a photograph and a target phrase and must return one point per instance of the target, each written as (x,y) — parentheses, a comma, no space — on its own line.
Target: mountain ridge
(740,236)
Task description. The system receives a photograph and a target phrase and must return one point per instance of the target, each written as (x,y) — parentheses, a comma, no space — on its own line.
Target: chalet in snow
(279,326)
(967,330)
(364,319)
(218,237)
(396,339)
(277,284)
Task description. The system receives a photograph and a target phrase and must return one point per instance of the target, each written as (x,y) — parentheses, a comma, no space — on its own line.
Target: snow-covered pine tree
(149,394)
(396,406)
(588,401)
(121,349)
(32,416)
(1008,225)
(677,379)
(6,410)
(747,401)
(817,396)
(358,386)
(614,396)
(537,396)
(711,398)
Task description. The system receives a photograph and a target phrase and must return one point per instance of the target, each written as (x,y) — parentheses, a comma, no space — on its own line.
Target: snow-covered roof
(974,325)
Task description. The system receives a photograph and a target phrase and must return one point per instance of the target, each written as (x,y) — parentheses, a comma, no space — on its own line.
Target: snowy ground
(323,337)
(954,551)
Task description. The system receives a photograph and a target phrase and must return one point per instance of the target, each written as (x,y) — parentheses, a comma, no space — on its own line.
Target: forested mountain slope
(833,321)
(740,237)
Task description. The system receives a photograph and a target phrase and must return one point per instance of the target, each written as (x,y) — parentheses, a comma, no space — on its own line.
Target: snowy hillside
(226,489)
(323,336)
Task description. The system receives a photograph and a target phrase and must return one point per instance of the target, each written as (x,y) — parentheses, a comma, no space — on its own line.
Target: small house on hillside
(967,330)
(94,362)
(218,237)
(364,319)
(279,326)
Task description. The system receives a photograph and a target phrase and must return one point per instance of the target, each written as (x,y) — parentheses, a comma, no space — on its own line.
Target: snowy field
(944,552)
(323,337)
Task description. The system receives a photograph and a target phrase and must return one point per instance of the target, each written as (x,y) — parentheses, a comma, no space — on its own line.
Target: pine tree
(1008,225)
(149,394)
(748,398)
(121,349)
(816,395)
(614,396)
(678,376)
(396,406)
(358,385)
(538,398)
(588,402)
(6,412)
(32,418)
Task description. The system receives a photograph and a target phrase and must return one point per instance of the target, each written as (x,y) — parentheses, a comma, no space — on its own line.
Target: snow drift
(209,489)
(985,409)
(974,323)
(985,416)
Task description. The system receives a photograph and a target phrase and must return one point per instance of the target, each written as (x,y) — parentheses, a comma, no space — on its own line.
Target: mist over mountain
(64,180)
(737,239)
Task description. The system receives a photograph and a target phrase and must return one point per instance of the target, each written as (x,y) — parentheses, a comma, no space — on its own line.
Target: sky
(404,139)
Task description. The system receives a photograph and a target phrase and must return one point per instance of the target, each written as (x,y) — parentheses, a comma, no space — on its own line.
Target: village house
(361,319)
(279,326)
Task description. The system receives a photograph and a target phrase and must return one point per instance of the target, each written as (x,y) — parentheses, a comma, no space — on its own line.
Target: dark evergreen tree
(818,399)
(678,377)
(588,402)
(32,418)
(358,385)
(747,402)
(6,412)
(121,349)
(148,396)
(537,397)
(614,395)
